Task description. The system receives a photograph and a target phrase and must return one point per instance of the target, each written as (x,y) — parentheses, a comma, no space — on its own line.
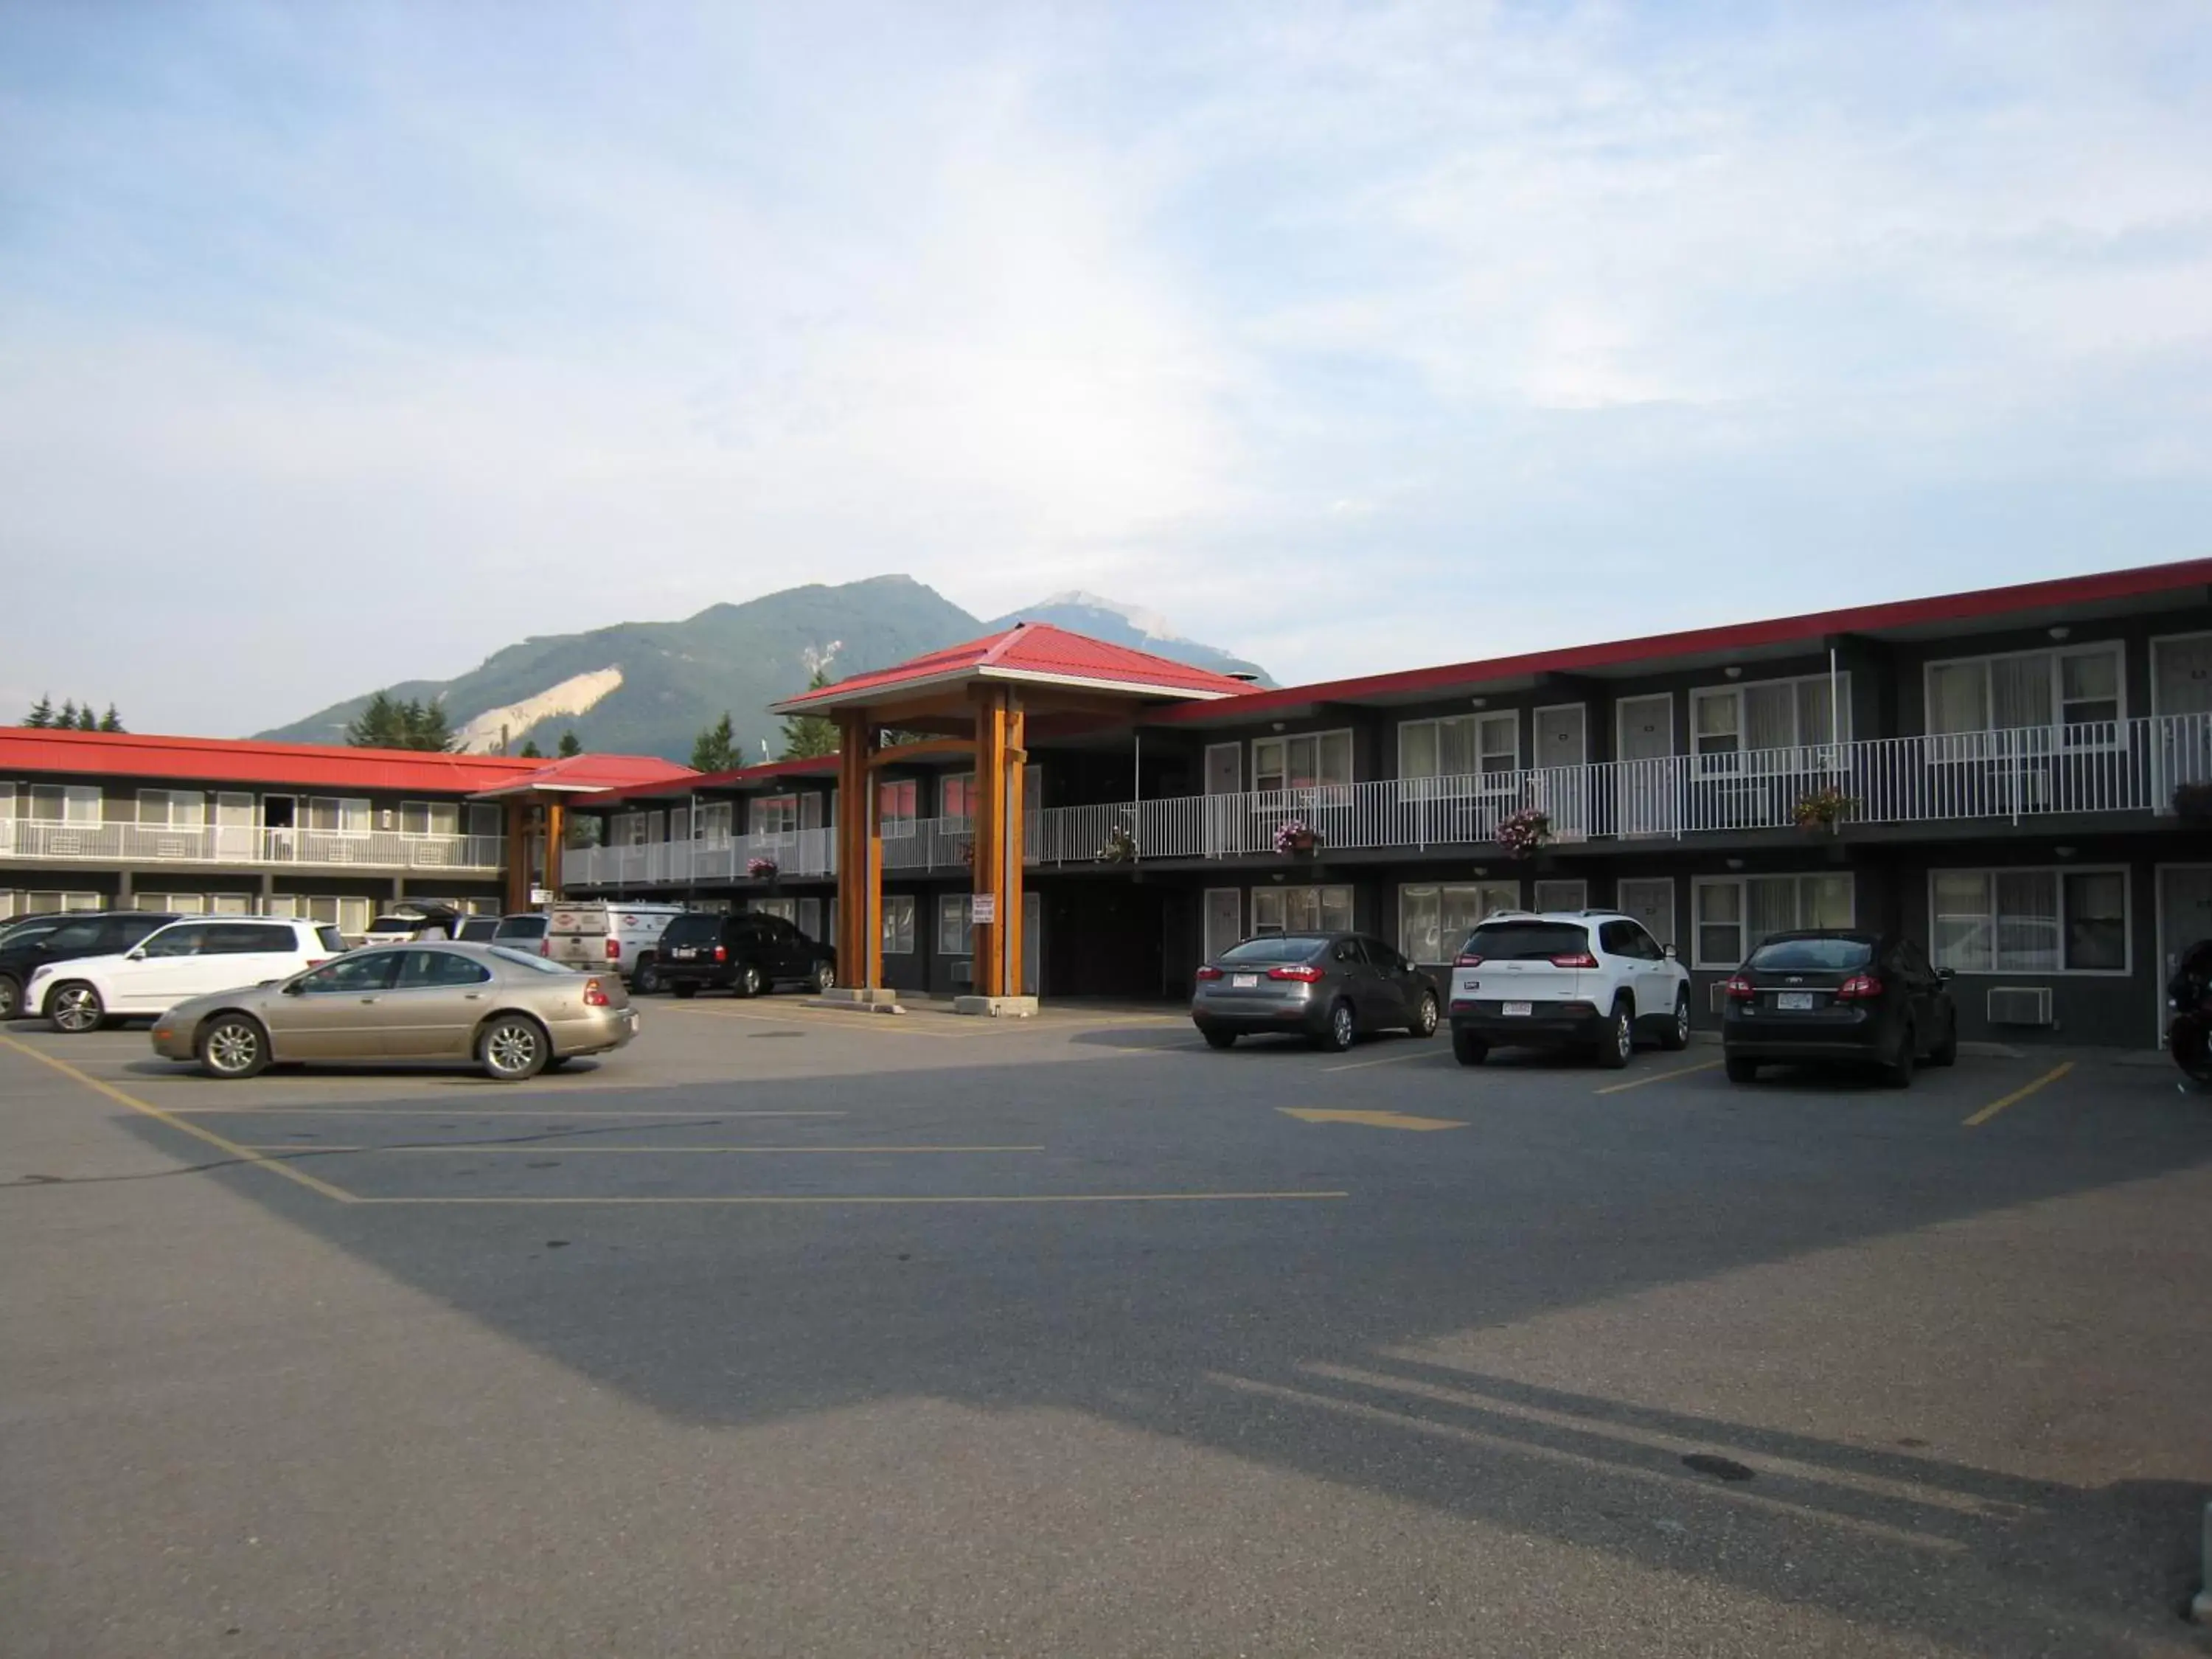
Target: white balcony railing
(2007,776)
(721,860)
(245,845)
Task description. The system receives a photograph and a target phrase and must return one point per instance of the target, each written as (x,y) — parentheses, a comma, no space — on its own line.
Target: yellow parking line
(543,1149)
(326,1108)
(887,1024)
(1661,1077)
(2018,1094)
(1387,1060)
(816,1198)
(244,1154)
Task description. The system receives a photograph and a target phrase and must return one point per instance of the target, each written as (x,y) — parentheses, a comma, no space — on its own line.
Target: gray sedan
(1327,988)
(514,1014)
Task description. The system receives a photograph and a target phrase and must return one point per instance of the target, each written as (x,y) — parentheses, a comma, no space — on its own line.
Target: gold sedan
(514,1014)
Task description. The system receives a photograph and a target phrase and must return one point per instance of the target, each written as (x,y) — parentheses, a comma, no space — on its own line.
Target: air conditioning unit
(1717,996)
(2020,1005)
(964,973)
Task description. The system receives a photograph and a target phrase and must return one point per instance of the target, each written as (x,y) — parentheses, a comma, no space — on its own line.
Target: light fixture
(1279,726)
(2063,852)
(2061,631)
(1478,702)
(1735,864)
(1733,672)
(1478,871)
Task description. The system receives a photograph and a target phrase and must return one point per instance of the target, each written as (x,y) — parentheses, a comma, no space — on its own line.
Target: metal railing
(721,860)
(2004,776)
(246,845)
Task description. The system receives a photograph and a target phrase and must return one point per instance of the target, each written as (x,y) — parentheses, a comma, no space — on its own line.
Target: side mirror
(1947,975)
(138,954)
(292,988)
(1668,951)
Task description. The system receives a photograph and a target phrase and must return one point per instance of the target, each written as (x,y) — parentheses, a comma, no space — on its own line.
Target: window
(484,821)
(1273,948)
(175,809)
(1625,938)
(2030,922)
(1486,747)
(429,817)
(345,816)
(955,916)
(350,915)
(423,969)
(713,821)
(7,811)
(248,938)
(1300,909)
(782,908)
(1562,895)
(2064,689)
(773,815)
(55,803)
(1528,941)
(897,806)
(1728,721)
(1650,900)
(956,796)
(75,936)
(182,938)
(1311,760)
(1434,920)
(1733,914)
(898,924)
(363,970)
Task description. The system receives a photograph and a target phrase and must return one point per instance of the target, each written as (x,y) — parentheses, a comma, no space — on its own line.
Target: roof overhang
(900,691)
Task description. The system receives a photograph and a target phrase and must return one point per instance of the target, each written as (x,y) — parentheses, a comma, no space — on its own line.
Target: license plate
(1519,1009)
(1793,1000)
(685,952)
(1244,981)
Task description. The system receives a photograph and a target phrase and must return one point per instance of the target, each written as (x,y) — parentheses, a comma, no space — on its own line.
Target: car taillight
(721,953)
(614,950)
(1470,960)
(1739,989)
(544,947)
(1304,972)
(595,995)
(317,962)
(1859,987)
(1209,973)
(1575,959)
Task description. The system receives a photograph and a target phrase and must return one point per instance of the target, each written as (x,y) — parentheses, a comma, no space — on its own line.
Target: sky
(345,344)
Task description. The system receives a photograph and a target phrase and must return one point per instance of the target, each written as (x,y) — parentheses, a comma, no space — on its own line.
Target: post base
(855,996)
(997,1007)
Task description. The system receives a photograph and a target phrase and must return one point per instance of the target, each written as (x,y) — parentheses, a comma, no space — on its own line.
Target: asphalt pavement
(792,1332)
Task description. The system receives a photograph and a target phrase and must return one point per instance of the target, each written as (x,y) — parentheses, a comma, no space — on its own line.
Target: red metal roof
(1037,652)
(27,749)
(767,772)
(590,774)
(2068,593)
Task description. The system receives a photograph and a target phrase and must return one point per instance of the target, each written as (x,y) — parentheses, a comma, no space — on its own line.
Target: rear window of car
(331,940)
(1527,941)
(1811,956)
(478,929)
(692,930)
(249,939)
(1280,947)
(521,927)
(541,964)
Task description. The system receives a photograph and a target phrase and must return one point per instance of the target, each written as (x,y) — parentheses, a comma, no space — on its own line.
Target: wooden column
(556,834)
(518,856)
(859,859)
(1017,753)
(989,880)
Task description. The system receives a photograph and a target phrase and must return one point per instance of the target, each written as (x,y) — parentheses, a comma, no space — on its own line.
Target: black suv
(747,953)
(75,933)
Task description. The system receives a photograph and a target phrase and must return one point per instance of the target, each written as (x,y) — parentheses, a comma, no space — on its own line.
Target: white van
(625,937)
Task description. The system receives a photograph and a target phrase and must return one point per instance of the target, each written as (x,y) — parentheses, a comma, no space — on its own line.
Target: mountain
(649,688)
(1126,624)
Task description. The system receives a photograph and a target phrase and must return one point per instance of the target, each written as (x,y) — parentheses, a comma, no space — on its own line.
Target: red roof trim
(1976,604)
(239,760)
(1036,651)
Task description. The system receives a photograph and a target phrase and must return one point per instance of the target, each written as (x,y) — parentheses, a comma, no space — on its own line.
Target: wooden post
(872,858)
(1017,753)
(989,861)
(556,830)
(518,856)
(855,816)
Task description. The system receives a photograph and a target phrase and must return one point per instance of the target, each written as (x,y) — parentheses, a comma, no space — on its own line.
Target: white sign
(986,910)
(541,896)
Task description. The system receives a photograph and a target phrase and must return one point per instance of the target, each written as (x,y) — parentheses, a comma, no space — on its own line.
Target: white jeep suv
(1578,979)
(175,964)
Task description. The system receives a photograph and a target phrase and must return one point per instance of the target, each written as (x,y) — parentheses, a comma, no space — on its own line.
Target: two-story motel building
(2016,776)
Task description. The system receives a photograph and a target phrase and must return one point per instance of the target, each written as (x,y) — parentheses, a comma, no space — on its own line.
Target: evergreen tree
(110,722)
(86,719)
(42,713)
(66,720)
(716,748)
(384,722)
(530,751)
(569,746)
(810,737)
(427,727)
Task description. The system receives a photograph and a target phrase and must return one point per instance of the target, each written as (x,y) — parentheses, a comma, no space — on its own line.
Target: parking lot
(788,1330)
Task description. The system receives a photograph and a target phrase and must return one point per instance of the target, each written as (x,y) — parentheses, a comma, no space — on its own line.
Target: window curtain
(2019,692)
(1769,716)
(2027,920)
(1958,699)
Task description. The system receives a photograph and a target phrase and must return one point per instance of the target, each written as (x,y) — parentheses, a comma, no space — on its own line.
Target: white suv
(174,964)
(1583,979)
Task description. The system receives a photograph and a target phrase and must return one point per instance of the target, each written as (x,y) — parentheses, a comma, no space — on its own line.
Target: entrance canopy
(988,698)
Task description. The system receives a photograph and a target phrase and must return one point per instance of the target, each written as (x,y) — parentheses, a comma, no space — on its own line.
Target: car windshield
(693,930)
(541,964)
(1811,956)
(521,927)
(1527,941)
(1275,948)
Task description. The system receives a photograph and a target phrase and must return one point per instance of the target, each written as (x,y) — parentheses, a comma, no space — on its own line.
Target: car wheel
(11,998)
(1469,1049)
(1897,1070)
(1342,1027)
(645,979)
(1425,1016)
(1945,1053)
(233,1047)
(75,1007)
(1216,1038)
(1619,1043)
(749,982)
(682,992)
(1676,1037)
(1740,1070)
(513,1046)
(824,979)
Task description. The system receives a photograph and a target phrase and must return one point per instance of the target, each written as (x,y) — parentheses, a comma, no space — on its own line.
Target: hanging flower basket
(1822,810)
(1296,838)
(761,869)
(1121,845)
(1525,831)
